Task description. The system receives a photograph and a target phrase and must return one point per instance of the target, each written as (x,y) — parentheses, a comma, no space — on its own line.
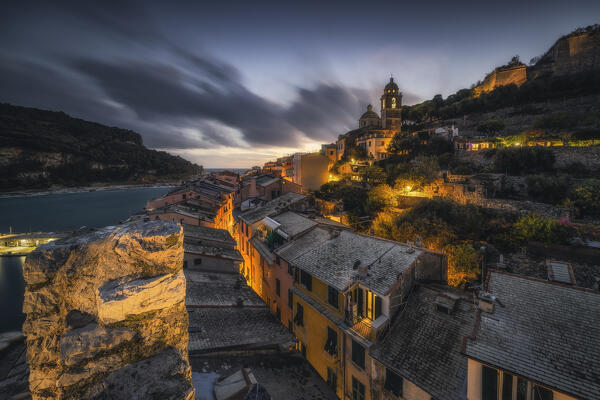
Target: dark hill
(41,148)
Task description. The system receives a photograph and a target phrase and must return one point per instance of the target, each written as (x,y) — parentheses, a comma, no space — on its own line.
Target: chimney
(486,302)
(253,187)
(419,241)
(362,271)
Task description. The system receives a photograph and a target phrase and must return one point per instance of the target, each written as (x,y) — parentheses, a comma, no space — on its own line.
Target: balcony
(368,329)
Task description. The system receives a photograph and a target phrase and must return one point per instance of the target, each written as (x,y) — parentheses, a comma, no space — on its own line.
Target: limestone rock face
(106,316)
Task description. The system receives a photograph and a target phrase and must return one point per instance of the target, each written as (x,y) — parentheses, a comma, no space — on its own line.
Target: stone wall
(106,316)
(501,77)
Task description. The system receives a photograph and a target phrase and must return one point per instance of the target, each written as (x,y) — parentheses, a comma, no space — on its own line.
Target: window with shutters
(299,317)
(332,296)
(393,382)
(358,389)
(331,342)
(306,280)
(331,378)
(489,383)
(358,354)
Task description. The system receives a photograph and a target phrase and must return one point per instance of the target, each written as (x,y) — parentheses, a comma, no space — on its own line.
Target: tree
(463,264)
(373,175)
(380,197)
(491,128)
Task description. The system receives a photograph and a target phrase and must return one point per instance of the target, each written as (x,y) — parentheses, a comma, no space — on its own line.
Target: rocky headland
(106,316)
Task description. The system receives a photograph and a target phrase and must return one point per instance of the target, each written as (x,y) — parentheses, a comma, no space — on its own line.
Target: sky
(234,84)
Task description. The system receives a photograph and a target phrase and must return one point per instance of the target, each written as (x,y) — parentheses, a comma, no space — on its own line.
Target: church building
(375,132)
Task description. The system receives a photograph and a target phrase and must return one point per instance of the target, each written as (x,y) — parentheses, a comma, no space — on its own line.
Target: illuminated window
(393,102)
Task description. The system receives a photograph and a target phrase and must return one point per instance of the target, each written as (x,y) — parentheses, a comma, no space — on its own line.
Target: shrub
(537,228)
(517,161)
(463,264)
(586,197)
(548,189)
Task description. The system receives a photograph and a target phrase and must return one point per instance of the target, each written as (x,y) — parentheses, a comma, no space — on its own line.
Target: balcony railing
(370,330)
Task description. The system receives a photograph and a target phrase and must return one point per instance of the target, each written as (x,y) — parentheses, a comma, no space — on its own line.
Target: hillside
(39,149)
(564,82)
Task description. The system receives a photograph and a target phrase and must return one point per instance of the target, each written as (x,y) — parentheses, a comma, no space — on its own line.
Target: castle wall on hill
(106,315)
(502,77)
(570,55)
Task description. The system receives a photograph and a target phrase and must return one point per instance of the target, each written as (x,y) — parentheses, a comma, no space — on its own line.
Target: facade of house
(376,143)
(311,170)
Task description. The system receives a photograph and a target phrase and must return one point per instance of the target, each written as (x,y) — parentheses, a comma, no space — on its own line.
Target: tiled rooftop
(292,223)
(212,329)
(213,251)
(271,208)
(290,251)
(216,323)
(424,345)
(333,261)
(547,332)
(216,289)
(201,232)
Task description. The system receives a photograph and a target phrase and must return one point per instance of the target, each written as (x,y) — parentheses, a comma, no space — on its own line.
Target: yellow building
(347,288)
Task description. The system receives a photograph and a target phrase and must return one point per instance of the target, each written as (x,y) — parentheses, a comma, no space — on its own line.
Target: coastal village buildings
(201,203)
(377,320)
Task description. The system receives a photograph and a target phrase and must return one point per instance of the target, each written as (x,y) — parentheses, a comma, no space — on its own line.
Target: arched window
(393,102)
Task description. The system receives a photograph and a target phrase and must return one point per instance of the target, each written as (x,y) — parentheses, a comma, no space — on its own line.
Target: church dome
(369,113)
(391,87)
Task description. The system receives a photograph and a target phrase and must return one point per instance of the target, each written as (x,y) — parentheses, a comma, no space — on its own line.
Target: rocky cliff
(106,316)
(41,148)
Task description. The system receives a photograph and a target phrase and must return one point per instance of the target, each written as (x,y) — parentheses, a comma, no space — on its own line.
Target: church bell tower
(391,107)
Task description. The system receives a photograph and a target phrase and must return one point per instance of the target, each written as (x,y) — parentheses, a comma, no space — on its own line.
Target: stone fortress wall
(106,315)
(571,54)
(501,77)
